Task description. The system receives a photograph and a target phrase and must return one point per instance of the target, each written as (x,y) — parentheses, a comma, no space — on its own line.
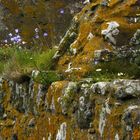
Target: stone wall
(70,110)
(80,106)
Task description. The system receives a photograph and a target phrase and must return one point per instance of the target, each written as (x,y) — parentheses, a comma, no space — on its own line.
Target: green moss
(116,69)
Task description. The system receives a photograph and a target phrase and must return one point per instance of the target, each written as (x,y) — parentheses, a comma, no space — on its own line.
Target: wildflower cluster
(14,38)
(37,34)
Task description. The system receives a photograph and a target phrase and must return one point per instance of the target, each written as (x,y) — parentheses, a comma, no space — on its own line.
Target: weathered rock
(127,89)
(80,108)
(101,36)
(130,120)
(100,88)
(135,40)
(86,107)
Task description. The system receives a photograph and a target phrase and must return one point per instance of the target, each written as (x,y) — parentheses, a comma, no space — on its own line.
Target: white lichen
(49,120)
(35,73)
(117,137)
(70,68)
(52,106)
(102,122)
(56,55)
(39,95)
(107,106)
(111,31)
(81,103)
(49,137)
(61,134)
(72,49)
(90,36)
(72,86)
(86,2)
(67,96)
(100,87)
(120,74)
(132,107)
(98,70)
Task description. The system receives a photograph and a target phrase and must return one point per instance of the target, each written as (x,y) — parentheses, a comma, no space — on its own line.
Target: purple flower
(16,39)
(36,36)
(96,61)
(18,36)
(45,34)
(19,40)
(62,11)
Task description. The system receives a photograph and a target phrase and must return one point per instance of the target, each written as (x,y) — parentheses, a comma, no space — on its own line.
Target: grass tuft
(16,62)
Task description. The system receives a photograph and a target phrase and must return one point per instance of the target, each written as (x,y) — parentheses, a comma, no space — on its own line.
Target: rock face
(106,29)
(71,110)
(82,107)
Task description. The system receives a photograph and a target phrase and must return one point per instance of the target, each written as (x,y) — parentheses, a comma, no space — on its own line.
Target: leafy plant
(44,60)
(47,77)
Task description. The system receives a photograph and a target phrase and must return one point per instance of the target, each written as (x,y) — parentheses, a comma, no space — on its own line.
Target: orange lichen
(89,39)
(54,93)
(136,134)
(92,24)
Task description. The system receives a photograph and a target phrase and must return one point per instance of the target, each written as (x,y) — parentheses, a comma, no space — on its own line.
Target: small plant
(18,61)
(44,60)
(47,77)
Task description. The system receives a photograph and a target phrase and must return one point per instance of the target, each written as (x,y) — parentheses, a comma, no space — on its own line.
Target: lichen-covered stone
(127,89)
(81,108)
(102,26)
(75,110)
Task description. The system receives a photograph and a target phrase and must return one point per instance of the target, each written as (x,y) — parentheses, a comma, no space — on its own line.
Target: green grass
(47,77)
(44,60)
(111,70)
(16,61)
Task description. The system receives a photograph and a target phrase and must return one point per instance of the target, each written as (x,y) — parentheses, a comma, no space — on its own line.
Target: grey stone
(100,88)
(127,89)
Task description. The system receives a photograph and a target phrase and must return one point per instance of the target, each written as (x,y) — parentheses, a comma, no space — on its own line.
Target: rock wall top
(103,26)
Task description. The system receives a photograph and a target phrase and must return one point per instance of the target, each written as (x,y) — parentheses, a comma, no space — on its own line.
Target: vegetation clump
(47,77)
(17,62)
(116,69)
